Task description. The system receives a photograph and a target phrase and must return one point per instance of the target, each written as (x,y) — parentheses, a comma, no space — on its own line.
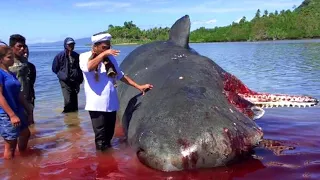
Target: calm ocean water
(62,144)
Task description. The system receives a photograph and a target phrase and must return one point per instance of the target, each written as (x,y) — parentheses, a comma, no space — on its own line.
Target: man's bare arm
(126,79)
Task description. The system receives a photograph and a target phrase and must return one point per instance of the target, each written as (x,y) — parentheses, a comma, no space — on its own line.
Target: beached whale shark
(197,115)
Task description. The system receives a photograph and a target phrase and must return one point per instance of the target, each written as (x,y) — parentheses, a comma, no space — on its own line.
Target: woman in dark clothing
(66,66)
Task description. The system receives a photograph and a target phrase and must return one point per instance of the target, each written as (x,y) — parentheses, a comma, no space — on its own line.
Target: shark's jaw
(251,103)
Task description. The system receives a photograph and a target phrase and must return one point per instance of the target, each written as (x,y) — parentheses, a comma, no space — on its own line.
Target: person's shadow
(132,106)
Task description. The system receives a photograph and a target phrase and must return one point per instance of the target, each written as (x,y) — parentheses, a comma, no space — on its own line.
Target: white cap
(100,37)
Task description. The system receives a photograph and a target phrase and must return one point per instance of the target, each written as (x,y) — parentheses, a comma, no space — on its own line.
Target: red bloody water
(63,148)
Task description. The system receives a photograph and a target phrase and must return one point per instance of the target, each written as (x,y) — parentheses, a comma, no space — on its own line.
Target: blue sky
(53,20)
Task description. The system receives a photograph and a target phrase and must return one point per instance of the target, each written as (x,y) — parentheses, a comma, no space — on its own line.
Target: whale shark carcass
(197,115)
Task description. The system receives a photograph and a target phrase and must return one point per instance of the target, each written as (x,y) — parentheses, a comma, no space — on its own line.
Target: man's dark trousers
(70,92)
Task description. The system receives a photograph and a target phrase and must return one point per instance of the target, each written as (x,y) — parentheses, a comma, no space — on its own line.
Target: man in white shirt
(101,94)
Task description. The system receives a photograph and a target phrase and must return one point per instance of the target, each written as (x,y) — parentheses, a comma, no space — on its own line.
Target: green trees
(301,22)
(130,33)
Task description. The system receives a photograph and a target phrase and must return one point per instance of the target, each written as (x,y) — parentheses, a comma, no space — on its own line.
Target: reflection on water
(62,146)
(71,154)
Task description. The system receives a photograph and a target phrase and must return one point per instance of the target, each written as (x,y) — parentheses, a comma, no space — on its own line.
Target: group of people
(17,78)
(97,69)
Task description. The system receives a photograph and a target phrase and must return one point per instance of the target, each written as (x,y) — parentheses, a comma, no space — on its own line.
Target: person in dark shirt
(31,76)
(66,66)
(20,67)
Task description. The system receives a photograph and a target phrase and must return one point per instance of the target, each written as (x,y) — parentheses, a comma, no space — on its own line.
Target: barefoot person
(13,122)
(101,94)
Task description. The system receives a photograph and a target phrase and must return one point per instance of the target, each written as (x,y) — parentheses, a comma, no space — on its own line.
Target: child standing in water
(13,122)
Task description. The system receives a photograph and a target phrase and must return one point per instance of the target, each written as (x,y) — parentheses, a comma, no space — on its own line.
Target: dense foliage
(130,33)
(301,22)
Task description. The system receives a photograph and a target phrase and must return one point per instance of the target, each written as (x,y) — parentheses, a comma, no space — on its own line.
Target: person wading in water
(101,94)
(66,66)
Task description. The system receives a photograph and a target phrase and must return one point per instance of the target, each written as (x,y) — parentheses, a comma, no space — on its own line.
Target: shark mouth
(251,103)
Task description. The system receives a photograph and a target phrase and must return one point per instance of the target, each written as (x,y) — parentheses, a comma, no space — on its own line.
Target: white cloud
(156,1)
(199,9)
(212,21)
(41,40)
(164,6)
(220,6)
(279,4)
(238,20)
(102,4)
(159,6)
(89,4)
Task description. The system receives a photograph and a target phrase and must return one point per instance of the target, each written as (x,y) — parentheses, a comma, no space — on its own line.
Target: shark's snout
(169,157)
(156,152)
(180,152)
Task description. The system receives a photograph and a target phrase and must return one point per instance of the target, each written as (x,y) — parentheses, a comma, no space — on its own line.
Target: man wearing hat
(66,66)
(101,94)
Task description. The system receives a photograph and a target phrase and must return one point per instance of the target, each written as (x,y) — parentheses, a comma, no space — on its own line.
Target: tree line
(301,22)
(130,33)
